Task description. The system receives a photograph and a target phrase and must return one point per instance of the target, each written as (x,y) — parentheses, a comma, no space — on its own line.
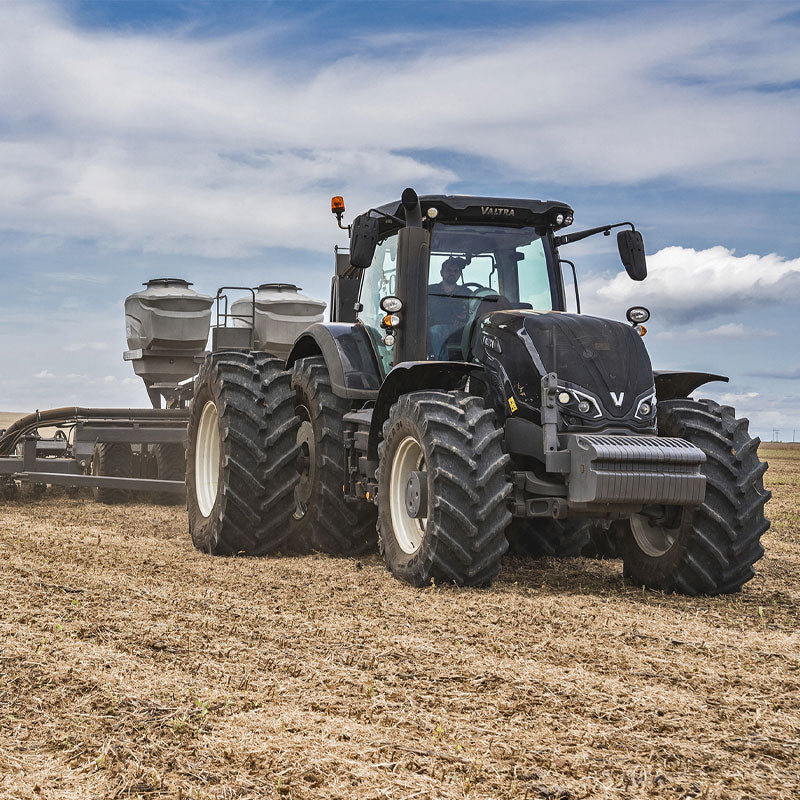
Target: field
(134,666)
(7,417)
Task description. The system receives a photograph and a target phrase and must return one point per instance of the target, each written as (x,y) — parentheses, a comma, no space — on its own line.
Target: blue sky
(205,139)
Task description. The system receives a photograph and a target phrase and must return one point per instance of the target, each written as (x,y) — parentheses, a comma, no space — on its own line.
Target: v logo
(617,398)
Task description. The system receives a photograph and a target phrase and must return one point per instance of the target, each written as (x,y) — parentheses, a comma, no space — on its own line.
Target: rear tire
(449,440)
(240,466)
(711,548)
(323,519)
(554,538)
(170,460)
(602,545)
(114,460)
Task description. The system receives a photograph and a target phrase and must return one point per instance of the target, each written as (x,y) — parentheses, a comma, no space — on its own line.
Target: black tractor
(453,405)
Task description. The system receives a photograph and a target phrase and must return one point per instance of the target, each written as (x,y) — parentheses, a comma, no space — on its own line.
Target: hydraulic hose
(58,416)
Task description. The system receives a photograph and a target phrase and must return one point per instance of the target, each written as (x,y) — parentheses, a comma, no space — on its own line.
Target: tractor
(452,408)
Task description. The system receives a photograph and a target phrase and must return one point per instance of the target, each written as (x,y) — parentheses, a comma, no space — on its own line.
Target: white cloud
(735,330)
(782,374)
(161,142)
(74,277)
(736,398)
(75,347)
(729,330)
(685,284)
(44,374)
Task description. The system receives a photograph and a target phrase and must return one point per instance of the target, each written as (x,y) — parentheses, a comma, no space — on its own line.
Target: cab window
(378,281)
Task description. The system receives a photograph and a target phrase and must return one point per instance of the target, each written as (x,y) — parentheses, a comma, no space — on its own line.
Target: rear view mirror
(631,251)
(363,240)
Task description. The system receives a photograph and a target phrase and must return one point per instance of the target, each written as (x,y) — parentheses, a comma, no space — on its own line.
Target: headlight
(585,403)
(646,407)
(391,304)
(636,315)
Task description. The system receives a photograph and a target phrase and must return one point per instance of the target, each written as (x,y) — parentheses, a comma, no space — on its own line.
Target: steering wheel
(471,284)
(480,294)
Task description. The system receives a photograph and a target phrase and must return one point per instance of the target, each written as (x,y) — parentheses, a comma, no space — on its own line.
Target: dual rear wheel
(240,470)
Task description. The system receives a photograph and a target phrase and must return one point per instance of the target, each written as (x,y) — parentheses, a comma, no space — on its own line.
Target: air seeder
(456,420)
(121,453)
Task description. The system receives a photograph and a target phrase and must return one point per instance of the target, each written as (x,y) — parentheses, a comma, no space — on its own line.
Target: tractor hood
(598,360)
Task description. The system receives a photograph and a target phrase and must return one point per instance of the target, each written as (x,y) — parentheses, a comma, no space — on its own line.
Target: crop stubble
(133,665)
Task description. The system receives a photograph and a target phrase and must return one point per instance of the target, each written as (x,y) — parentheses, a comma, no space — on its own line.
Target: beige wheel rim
(206,459)
(408,531)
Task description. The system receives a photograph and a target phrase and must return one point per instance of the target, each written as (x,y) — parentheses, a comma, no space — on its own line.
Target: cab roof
(468,209)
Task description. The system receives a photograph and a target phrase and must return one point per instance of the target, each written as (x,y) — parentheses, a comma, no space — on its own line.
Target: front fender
(415,376)
(674,384)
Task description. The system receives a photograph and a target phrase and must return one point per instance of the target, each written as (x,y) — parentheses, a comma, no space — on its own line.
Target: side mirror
(631,251)
(363,241)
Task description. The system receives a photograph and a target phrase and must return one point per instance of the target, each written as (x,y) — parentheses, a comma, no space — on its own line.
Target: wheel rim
(206,459)
(409,531)
(306,463)
(654,539)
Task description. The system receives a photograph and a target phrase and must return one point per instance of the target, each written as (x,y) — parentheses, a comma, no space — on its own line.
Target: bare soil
(7,417)
(134,666)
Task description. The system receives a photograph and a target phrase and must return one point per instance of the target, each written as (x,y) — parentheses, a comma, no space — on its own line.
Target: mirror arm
(388,216)
(578,235)
(574,282)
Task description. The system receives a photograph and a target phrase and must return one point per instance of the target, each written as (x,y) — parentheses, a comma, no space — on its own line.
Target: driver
(447,313)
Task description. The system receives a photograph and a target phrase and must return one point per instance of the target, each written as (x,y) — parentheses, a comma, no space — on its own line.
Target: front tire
(240,466)
(711,548)
(442,490)
(554,538)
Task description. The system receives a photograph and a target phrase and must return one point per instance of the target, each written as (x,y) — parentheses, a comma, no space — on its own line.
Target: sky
(205,139)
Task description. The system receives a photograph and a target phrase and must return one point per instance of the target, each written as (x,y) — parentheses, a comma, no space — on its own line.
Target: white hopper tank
(166,326)
(282,313)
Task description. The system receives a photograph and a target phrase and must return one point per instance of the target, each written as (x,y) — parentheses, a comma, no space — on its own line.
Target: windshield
(473,271)
(481,269)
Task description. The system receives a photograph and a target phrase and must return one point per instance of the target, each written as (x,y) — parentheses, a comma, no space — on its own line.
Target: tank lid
(279,286)
(167,282)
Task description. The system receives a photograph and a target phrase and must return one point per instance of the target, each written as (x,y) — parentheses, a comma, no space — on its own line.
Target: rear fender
(674,384)
(349,356)
(415,376)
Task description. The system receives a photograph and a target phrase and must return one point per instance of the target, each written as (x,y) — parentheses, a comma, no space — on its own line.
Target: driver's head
(452,268)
